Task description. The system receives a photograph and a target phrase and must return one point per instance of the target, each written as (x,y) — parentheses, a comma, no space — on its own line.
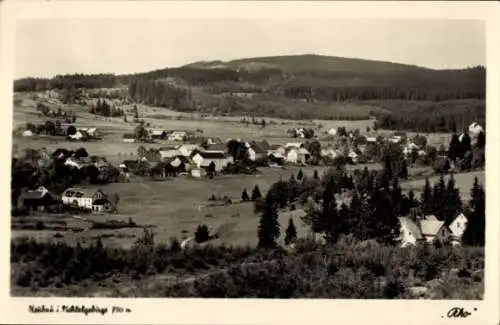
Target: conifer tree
(300,174)
(330,222)
(451,200)
(256,193)
(454,148)
(427,200)
(383,223)
(439,198)
(316,176)
(269,228)
(290,233)
(244,196)
(475,232)
(396,197)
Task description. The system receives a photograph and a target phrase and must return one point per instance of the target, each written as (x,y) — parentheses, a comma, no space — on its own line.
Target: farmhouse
(177,136)
(332,131)
(410,234)
(434,230)
(215,161)
(128,137)
(80,135)
(39,199)
(428,229)
(84,198)
(181,164)
(329,152)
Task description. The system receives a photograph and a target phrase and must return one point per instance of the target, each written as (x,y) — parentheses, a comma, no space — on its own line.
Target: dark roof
(218,146)
(184,159)
(167,148)
(128,136)
(33,195)
(257,147)
(212,155)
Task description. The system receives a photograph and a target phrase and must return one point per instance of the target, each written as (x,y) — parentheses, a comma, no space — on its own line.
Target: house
(181,164)
(101,205)
(27,133)
(79,135)
(177,136)
(276,157)
(395,139)
(276,148)
(409,148)
(371,139)
(186,149)
(297,155)
(211,160)
(153,155)
(410,234)
(76,162)
(168,152)
(255,151)
(293,145)
(90,132)
(158,134)
(329,152)
(128,137)
(128,165)
(82,198)
(458,226)
(39,199)
(353,155)
(332,131)
(434,230)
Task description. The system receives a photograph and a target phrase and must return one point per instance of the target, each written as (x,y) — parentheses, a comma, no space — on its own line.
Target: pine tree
(475,232)
(290,233)
(403,171)
(454,148)
(439,198)
(397,197)
(300,174)
(202,234)
(427,199)
(383,222)
(269,228)
(244,196)
(451,199)
(330,222)
(256,193)
(316,176)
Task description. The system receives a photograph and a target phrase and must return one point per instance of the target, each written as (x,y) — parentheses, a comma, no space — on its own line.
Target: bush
(202,234)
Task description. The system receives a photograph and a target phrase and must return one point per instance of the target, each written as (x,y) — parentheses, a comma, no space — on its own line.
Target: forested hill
(298,87)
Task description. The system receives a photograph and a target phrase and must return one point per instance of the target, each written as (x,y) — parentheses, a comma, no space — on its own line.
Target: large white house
(168,152)
(186,149)
(206,159)
(177,136)
(297,155)
(83,198)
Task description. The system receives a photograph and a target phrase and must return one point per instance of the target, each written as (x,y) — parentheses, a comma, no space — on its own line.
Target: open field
(175,207)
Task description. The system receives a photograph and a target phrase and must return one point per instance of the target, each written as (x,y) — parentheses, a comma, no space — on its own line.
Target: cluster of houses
(160,135)
(429,229)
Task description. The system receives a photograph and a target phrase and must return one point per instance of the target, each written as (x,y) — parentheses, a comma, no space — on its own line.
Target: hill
(300,87)
(308,63)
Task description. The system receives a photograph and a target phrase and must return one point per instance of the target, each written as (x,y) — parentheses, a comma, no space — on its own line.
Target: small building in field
(256,151)
(27,133)
(128,137)
(82,198)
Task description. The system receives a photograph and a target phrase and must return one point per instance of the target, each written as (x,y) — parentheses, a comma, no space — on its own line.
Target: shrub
(202,234)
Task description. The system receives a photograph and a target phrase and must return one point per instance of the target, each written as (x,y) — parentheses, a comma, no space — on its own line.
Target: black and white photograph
(258,157)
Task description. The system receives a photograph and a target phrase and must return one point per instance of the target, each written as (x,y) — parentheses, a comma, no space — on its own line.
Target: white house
(297,155)
(255,151)
(332,131)
(186,149)
(410,233)
(83,198)
(433,230)
(293,145)
(458,226)
(329,152)
(204,159)
(353,155)
(168,152)
(371,139)
(78,135)
(177,136)
(27,133)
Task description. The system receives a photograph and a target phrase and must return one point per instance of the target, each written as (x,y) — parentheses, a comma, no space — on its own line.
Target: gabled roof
(411,227)
(87,192)
(34,194)
(212,154)
(217,147)
(275,146)
(170,148)
(430,227)
(257,147)
(431,217)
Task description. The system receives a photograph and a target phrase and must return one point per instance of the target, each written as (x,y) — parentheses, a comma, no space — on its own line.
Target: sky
(44,48)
